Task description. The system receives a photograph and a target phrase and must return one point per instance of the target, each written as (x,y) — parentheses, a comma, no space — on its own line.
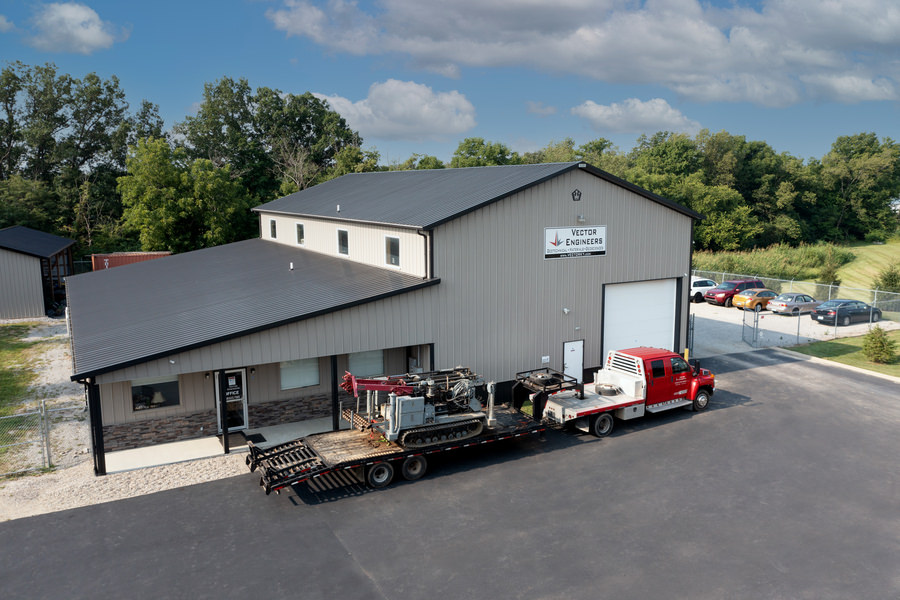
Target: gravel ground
(73,484)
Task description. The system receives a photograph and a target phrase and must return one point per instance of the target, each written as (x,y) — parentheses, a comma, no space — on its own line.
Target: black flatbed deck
(310,457)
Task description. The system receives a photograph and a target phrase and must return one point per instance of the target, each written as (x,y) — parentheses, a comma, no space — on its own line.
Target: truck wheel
(414,467)
(602,425)
(379,475)
(701,400)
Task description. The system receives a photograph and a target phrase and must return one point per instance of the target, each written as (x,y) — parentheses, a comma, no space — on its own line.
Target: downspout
(429,252)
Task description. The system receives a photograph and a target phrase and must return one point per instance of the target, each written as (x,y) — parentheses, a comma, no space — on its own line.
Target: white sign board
(570,242)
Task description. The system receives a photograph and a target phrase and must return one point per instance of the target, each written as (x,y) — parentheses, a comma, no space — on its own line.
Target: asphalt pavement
(786,487)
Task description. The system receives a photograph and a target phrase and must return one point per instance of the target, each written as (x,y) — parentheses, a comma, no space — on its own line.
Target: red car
(724,293)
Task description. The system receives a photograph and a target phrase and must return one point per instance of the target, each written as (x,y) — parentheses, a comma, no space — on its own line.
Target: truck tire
(414,467)
(380,474)
(701,400)
(602,425)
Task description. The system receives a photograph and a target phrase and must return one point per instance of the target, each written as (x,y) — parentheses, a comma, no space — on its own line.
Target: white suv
(700,286)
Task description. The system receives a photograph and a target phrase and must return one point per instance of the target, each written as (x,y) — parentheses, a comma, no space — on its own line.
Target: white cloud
(635,116)
(5,24)
(538,108)
(405,110)
(73,27)
(772,53)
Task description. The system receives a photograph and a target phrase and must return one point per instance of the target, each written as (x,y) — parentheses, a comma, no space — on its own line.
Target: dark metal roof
(33,242)
(427,198)
(152,309)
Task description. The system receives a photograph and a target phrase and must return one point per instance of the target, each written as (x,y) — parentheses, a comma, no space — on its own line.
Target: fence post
(45,434)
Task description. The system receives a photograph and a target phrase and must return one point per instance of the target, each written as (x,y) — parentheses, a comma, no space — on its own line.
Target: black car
(845,312)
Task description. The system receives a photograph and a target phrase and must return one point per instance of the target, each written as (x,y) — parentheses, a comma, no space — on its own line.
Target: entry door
(573,359)
(235,400)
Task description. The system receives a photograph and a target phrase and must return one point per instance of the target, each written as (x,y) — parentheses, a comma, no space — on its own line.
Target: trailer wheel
(701,400)
(414,467)
(380,474)
(602,425)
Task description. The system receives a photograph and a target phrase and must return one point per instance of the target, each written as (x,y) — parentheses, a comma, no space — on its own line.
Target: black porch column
(223,414)
(96,416)
(335,402)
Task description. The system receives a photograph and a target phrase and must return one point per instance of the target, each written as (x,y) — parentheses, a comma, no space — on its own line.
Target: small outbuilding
(33,270)
(501,269)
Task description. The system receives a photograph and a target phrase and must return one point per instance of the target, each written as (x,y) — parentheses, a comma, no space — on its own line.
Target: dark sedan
(844,312)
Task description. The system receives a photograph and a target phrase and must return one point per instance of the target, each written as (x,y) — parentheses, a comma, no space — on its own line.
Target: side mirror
(696,366)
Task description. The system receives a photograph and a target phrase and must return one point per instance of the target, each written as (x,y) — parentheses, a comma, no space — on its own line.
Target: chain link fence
(43,438)
(766,329)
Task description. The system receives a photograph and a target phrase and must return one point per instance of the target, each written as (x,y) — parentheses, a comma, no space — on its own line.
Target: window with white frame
(154,392)
(272,228)
(392,251)
(366,364)
(300,237)
(343,241)
(299,373)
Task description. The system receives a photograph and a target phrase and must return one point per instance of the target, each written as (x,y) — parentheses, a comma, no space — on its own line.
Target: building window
(272,228)
(154,392)
(366,364)
(300,236)
(392,251)
(343,243)
(299,373)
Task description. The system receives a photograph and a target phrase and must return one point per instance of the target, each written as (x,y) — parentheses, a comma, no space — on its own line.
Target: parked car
(723,294)
(793,303)
(755,299)
(845,312)
(700,286)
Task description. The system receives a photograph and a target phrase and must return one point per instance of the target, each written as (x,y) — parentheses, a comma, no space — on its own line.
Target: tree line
(75,160)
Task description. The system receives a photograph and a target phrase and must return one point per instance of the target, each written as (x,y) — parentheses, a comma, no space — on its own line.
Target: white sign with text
(571,242)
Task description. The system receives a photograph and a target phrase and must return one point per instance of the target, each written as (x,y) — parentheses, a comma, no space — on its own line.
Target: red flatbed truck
(631,383)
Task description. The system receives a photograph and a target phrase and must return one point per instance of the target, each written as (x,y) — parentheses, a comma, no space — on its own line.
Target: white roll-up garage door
(639,314)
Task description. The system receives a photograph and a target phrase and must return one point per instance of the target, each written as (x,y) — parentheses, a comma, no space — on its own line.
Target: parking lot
(718,330)
(786,487)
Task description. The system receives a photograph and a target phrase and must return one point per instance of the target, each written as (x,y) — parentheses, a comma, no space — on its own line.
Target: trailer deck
(311,457)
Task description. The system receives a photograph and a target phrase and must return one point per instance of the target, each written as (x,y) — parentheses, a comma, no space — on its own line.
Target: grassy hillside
(856,265)
(870,260)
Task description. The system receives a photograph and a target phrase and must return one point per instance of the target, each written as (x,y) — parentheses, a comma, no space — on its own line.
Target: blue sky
(415,76)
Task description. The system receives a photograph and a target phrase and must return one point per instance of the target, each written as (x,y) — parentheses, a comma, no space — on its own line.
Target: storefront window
(299,373)
(154,392)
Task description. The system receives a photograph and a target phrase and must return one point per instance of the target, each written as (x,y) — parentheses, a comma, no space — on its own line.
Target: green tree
(878,347)
(888,279)
(475,152)
(11,137)
(419,162)
(29,203)
(860,177)
(178,204)
(46,96)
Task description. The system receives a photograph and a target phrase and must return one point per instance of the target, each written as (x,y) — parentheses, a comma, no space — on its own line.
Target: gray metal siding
(21,286)
(394,322)
(500,306)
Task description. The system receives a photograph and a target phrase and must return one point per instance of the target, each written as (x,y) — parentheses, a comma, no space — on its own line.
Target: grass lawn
(849,352)
(15,358)
(870,260)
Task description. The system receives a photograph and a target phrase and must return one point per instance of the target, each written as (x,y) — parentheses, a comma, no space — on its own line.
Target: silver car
(793,303)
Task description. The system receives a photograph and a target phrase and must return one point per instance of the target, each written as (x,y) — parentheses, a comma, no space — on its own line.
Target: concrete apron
(207,447)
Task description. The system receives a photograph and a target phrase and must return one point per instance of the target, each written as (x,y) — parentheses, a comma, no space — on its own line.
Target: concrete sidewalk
(208,447)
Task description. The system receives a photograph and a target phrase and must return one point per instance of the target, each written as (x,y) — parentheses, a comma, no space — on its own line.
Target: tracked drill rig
(417,410)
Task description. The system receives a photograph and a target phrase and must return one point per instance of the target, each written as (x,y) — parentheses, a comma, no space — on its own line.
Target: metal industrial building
(33,268)
(498,268)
